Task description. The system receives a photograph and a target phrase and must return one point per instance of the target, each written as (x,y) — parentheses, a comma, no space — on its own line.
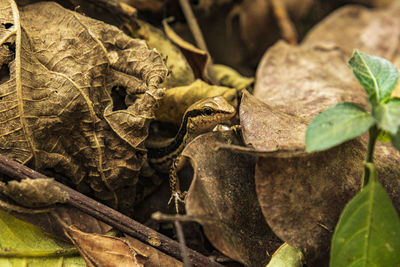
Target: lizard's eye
(207,111)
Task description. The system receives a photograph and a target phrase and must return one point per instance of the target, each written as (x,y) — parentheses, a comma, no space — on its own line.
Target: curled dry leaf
(78,98)
(102,250)
(223,200)
(302,196)
(178,99)
(197,58)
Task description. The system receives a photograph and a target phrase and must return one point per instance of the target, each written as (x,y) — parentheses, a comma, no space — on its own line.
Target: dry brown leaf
(267,128)
(302,196)
(102,250)
(222,197)
(78,99)
(155,258)
(374,32)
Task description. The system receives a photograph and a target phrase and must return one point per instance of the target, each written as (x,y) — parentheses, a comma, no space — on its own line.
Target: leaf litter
(295,198)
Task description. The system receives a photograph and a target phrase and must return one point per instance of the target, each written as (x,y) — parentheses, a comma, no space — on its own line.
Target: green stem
(372,136)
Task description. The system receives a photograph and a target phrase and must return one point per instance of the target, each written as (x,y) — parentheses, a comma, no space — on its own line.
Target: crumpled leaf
(287,256)
(229,77)
(75,101)
(302,195)
(177,100)
(102,250)
(23,244)
(197,58)
(34,192)
(180,72)
(223,200)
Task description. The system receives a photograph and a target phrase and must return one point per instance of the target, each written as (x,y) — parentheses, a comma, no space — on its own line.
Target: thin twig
(288,30)
(193,25)
(181,239)
(197,35)
(108,215)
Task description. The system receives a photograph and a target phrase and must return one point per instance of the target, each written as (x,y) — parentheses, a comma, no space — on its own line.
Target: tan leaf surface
(222,197)
(302,196)
(155,258)
(58,107)
(102,250)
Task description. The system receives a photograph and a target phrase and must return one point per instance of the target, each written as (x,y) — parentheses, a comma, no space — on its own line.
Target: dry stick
(285,24)
(108,215)
(181,238)
(197,34)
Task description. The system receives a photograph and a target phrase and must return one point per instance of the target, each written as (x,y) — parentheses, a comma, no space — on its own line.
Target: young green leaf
(336,125)
(22,244)
(388,116)
(368,231)
(377,75)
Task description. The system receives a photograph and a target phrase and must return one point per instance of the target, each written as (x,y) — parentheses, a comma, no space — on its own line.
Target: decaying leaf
(372,31)
(180,72)
(302,196)
(263,126)
(155,258)
(102,250)
(222,197)
(177,100)
(78,99)
(34,192)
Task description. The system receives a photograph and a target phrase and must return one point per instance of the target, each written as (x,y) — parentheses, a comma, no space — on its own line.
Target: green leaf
(377,75)
(336,125)
(368,231)
(22,244)
(287,256)
(387,116)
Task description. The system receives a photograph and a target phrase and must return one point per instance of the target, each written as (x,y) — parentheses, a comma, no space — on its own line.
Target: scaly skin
(199,118)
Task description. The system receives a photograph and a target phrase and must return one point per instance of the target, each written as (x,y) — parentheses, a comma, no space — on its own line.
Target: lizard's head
(205,114)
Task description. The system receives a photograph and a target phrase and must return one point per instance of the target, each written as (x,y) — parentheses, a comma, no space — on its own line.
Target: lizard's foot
(177,197)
